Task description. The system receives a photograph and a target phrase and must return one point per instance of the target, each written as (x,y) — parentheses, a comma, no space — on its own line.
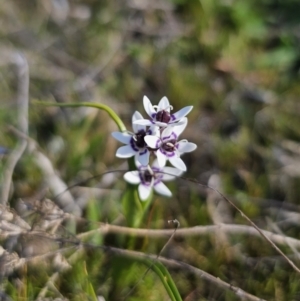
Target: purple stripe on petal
(170,137)
(146,183)
(167,137)
(156,169)
(173,117)
(157,181)
(163,151)
(170,154)
(166,153)
(133,145)
(143,152)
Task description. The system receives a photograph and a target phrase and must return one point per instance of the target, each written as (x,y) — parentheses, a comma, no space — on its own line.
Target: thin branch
(278,230)
(193,231)
(210,278)
(261,232)
(220,212)
(134,255)
(63,197)
(235,229)
(21,64)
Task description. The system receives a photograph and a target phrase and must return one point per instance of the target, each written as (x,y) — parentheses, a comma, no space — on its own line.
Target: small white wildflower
(135,144)
(168,148)
(160,115)
(149,178)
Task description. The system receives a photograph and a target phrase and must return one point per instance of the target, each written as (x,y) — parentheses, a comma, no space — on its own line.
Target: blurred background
(236,62)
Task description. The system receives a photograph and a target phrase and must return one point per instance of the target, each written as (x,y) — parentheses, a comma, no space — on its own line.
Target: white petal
(136,162)
(125,152)
(144,192)
(143,158)
(161,159)
(152,141)
(122,137)
(183,112)
(169,173)
(164,104)
(136,116)
(137,127)
(148,106)
(155,164)
(154,130)
(178,163)
(143,122)
(161,188)
(167,133)
(182,121)
(132,177)
(186,147)
(178,129)
(161,124)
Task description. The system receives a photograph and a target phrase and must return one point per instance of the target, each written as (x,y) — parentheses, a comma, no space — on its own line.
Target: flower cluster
(158,136)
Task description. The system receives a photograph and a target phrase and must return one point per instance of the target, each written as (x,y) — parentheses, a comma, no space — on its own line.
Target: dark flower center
(169,146)
(139,139)
(146,176)
(163,116)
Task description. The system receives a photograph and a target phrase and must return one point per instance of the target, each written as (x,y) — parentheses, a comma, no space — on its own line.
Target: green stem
(170,281)
(130,188)
(165,278)
(100,106)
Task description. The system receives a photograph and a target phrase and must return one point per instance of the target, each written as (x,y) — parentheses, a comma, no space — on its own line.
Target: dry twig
(64,198)
(20,62)
(193,231)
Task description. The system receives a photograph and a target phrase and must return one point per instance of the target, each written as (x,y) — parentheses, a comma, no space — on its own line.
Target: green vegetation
(71,228)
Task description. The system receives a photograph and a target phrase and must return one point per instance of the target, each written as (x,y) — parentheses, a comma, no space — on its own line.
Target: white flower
(135,144)
(168,148)
(160,115)
(150,178)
